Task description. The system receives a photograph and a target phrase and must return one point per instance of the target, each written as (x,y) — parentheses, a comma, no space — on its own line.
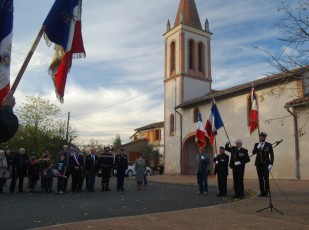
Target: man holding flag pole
(239,155)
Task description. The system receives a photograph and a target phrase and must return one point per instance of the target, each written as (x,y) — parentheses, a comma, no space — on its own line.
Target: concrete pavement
(288,196)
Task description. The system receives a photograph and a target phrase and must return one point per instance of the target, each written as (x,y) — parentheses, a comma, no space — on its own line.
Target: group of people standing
(69,162)
(239,158)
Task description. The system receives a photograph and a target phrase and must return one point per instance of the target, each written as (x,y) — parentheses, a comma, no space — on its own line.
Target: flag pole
(232,151)
(28,58)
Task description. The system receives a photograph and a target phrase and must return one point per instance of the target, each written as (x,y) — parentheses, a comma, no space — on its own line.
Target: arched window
(195,115)
(200,57)
(173,58)
(172,125)
(191,54)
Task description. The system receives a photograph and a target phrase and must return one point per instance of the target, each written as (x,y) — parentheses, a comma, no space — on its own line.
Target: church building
(283,102)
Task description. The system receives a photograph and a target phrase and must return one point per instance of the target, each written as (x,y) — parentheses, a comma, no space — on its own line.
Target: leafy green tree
(38,128)
(117,143)
(151,154)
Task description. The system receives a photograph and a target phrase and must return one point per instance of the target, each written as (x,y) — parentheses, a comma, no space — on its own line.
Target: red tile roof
(260,83)
(298,102)
(190,14)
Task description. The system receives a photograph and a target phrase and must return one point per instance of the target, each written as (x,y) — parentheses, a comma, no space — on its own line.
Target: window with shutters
(200,57)
(173,58)
(191,54)
(172,125)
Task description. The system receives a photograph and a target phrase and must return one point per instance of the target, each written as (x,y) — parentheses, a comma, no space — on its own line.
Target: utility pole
(68,122)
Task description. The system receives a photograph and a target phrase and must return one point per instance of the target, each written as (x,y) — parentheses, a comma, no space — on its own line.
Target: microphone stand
(271,206)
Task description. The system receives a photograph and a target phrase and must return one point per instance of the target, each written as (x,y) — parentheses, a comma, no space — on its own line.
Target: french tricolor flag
(200,138)
(6,35)
(214,122)
(63,27)
(254,114)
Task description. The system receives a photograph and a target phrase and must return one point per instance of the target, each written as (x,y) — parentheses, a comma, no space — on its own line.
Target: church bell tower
(187,67)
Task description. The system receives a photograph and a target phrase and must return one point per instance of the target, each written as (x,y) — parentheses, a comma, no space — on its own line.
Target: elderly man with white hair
(19,170)
(239,158)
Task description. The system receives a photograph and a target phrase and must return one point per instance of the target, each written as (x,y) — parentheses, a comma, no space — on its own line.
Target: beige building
(282,99)
(154,134)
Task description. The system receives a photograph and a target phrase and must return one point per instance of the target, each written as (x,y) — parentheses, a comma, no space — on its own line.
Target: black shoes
(263,195)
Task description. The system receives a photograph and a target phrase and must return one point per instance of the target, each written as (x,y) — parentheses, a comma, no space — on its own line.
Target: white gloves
(237,163)
(216,162)
(269,167)
(228,141)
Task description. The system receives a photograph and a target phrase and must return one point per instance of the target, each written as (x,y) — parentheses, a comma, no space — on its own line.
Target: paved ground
(289,196)
(25,210)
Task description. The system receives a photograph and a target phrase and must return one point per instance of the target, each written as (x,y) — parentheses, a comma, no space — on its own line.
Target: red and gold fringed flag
(63,27)
(6,35)
(200,138)
(254,113)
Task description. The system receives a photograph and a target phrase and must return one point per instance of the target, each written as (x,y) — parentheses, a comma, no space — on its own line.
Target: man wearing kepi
(264,162)
(222,163)
(106,163)
(121,165)
(239,158)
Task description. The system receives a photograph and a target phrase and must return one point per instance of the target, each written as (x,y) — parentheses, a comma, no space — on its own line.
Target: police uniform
(106,163)
(222,163)
(121,164)
(241,155)
(264,157)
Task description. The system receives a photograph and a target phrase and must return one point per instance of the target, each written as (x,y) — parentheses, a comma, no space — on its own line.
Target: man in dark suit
(19,170)
(76,168)
(264,162)
(121,164)
(239,158)
(222,163)
(91,167)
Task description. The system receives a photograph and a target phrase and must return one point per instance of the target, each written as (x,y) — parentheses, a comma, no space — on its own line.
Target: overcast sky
(118,87)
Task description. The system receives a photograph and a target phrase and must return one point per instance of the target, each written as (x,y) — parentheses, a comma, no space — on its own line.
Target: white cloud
(106,91)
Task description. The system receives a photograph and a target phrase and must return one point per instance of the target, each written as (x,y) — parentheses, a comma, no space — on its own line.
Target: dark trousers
(263,175)
(49,185)
(60,184)
(222,183)
(120,179)
(145,178)
(1,184)
(238,178)
(106,174)
(17,174)
(91,181)
(76,180)
(43,182)
(67,174)
(33,179)
(202,180)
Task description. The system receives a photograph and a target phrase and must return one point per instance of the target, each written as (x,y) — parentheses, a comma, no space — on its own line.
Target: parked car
(131,172)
